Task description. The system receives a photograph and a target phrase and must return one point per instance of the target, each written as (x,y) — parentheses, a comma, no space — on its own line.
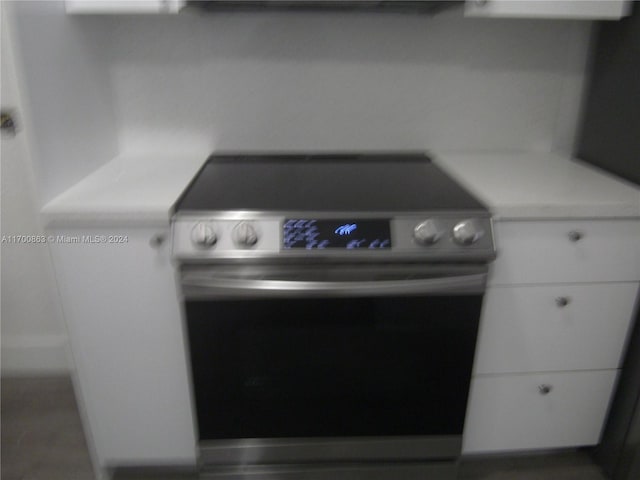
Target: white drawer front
(531,329)
(543,252)
(508,412)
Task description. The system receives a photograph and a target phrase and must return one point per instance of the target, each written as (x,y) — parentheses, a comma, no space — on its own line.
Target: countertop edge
(101,199)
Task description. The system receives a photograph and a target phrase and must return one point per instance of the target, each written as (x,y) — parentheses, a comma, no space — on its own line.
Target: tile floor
(42,439)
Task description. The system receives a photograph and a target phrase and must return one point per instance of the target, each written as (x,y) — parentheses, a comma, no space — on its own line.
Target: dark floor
(42,439)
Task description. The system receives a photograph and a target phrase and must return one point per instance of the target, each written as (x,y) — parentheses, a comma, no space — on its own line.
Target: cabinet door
(554,327)
(122,6)
(566,251)
(575,9)
(120,303)
(549,410)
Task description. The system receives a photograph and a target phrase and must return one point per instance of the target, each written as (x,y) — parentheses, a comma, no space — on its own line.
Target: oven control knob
(428,232)
(467,232)
(245,235)
(203,235)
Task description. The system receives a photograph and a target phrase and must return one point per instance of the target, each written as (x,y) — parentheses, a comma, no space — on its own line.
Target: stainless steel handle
(575,235)
(563,301)
(545,389)
(198,286)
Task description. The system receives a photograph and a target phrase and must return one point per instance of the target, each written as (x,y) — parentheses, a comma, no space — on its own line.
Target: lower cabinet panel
(537,411)
(530,329)
(123,317)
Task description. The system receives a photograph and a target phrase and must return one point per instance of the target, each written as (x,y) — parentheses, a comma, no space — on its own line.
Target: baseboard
(29,355)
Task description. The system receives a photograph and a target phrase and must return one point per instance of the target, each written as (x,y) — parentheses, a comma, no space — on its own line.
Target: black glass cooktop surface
(325,182)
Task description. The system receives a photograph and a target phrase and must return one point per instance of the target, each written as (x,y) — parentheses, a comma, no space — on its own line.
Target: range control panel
(340,233)
(423,237)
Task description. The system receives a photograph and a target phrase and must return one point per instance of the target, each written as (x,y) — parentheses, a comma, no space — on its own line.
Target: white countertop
(133,189)
(542,186)
(142,189)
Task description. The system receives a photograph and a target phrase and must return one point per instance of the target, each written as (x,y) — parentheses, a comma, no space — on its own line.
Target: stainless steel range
(332,306)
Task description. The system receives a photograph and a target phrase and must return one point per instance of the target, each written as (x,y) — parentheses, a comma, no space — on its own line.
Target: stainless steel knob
(563,301)
(575,235)
(467,232)
(428,232)
(203,235)
(245,235)
(545,389)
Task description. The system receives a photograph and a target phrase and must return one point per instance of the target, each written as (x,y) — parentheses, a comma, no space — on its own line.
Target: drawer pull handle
(562,302)
(575,235)
(544,389)
(157,240)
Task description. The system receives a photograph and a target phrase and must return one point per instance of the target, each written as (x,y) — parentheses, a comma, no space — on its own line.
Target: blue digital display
(344,233)
(346,229)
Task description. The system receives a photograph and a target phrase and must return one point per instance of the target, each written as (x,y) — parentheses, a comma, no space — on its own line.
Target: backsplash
(327,81)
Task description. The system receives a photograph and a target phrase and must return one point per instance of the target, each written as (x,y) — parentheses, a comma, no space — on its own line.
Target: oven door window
(332,367)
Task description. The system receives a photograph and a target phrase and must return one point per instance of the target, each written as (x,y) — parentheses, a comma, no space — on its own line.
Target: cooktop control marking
(346,229)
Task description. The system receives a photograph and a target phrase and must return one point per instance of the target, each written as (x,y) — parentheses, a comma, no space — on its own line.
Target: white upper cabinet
(575,9)
(123,6)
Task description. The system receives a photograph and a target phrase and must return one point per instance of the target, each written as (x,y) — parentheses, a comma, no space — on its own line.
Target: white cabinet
(566,251)
(537,411)
(123,6)
(570,9)
(554,327)
(556,315)
(121,307)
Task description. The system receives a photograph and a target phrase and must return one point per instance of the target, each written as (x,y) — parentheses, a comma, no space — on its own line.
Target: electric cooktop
(398,206)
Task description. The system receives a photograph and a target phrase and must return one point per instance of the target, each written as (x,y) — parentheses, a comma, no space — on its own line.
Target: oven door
(315,363)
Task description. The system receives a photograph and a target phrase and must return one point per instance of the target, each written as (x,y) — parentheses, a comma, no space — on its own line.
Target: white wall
(32,330)
(67,94)
(346,81)
(55,64)
(99,85)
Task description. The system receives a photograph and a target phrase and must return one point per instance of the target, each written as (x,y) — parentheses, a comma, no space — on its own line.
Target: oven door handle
(195,286)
